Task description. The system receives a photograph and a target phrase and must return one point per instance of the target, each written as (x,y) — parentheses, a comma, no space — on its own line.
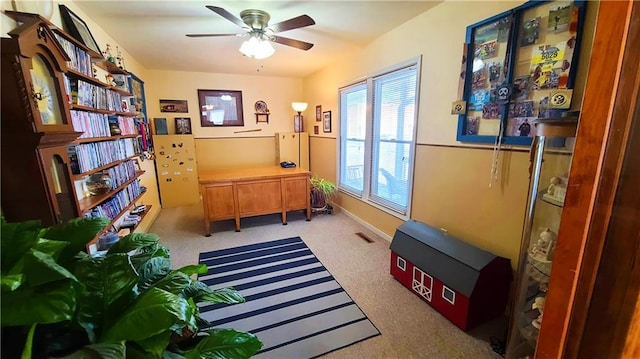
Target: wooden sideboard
(246,192)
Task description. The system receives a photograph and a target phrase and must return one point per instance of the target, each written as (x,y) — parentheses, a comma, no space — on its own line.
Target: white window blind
(377,143)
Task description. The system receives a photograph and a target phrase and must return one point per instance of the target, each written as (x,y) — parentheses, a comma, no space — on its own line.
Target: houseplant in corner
(322,192)
(59,302)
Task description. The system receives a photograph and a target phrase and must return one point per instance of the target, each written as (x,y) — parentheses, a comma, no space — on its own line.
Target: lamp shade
(257,48)
(299,106)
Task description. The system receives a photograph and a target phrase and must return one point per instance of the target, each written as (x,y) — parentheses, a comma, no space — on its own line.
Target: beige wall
(277,92)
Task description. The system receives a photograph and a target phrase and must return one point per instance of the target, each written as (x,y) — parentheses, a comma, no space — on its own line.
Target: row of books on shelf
(91,124)
(122,173)
(117,203)
(127,125)
(88,156)
(89,95)
(80,59)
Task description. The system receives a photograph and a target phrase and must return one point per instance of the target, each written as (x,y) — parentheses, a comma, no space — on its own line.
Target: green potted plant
(322,192)
(57,301)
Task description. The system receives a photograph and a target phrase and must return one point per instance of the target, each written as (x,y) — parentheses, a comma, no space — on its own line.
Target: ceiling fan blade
(227,15)
(212,35)
(293,43)
(294,23)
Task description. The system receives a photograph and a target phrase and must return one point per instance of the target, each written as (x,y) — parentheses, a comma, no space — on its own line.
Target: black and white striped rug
(294,305)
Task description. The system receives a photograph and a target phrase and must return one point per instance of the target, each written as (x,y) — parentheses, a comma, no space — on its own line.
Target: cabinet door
(259,197)
(553,145)
(220,201)
(296,193)
(56,172)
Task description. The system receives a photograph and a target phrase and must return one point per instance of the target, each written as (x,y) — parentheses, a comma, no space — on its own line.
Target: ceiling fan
(256,25)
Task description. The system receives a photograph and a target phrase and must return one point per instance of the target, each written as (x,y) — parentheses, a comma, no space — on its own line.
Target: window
(448,295)
(377,137)
(402,264)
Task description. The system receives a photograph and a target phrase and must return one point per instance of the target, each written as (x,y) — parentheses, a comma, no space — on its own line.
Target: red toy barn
(464,283)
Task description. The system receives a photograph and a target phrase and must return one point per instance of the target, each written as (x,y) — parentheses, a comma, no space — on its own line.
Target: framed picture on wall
(183,125)
(318,113)
(220,108)
(75,26)
(326,121)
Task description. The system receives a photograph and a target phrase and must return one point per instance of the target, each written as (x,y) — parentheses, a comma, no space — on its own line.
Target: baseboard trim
(365,224)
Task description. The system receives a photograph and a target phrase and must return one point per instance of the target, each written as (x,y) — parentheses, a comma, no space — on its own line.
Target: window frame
(402,267)
(366,195)
(452,301)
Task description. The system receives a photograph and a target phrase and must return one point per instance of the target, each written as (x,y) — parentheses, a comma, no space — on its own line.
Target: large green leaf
(52,248)
(110,282)
(133,241)
(11,282)
(100,351)
(152,271)
(174,282)
(34,305)
(199,292)
(155,346)
(193,269)
(171,355)
(17,239)
(78,232)
(40,268)
(225,343)
(153,312)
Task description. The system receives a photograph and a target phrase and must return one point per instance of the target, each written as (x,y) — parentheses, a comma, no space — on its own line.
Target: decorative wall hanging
(174,106)
(75,26)
(220,108)
(515,62)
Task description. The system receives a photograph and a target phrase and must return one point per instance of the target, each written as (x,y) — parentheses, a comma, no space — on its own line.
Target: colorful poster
(478,99)
(486,33)
(560,17)
(479,77)
(530,32)
(520,126)
(491,111)
(520,88)
(486,50)
(494,72)
(521,109)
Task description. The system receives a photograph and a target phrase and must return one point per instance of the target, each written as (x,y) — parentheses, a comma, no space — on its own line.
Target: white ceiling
(153,32)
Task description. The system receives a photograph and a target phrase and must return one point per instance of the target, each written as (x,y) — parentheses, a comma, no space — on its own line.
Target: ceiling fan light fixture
(257,48)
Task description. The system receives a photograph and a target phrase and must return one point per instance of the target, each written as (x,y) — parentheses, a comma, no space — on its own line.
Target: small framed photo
(75,26)
(316,130)
(125,106)
(174,106)
(183,125)
(318,113)
(326,121)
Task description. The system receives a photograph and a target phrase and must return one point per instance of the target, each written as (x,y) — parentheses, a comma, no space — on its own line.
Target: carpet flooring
(294,305)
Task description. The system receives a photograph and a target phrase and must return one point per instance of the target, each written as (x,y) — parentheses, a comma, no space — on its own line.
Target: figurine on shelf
(556,191)
(538,304)
(107,54)
(119,58)
(110,80)
(543,248)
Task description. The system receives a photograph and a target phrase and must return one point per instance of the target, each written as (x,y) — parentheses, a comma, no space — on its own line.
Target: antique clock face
(45,92)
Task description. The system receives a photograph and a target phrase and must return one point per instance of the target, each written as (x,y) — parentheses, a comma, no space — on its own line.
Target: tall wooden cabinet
(61,126)
(35,126)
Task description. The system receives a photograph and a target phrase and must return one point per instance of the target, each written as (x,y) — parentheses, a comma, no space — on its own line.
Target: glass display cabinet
(551,154)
